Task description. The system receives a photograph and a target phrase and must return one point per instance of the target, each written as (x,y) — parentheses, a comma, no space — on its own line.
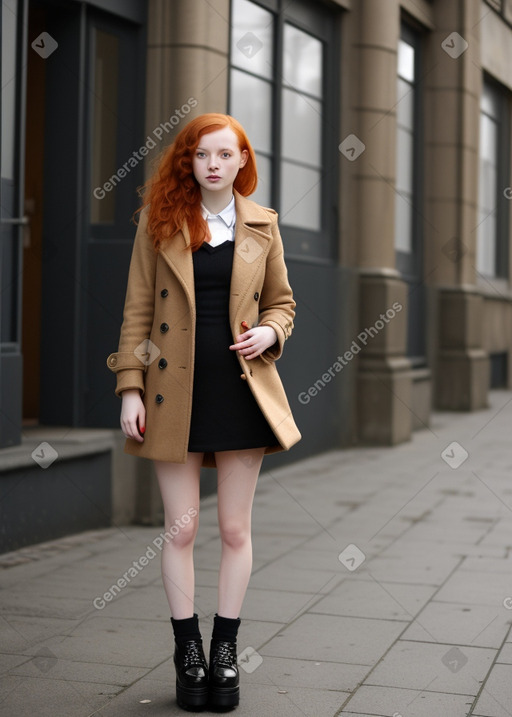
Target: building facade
(383,137)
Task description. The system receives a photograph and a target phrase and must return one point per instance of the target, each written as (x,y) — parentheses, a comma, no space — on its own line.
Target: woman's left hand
(253,342)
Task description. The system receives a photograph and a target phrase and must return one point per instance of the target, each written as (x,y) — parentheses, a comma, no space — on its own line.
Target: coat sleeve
(277,306)
(129,362)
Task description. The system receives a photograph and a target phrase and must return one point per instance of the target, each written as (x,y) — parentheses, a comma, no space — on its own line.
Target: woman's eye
(200,155)
(226,154)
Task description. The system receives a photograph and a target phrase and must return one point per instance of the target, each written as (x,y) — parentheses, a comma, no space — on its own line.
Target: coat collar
(252,241)
(248,213)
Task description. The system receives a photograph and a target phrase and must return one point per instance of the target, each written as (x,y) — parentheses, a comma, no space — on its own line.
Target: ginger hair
(173,196)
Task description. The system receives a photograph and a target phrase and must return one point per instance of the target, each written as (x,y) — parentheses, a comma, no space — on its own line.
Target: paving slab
(46,664)
(487,564)
(496,697)
(461,624)
(324,637)
(306,580)
(474,588)
(444,668)
(19,632)
(135,643)
(365,598)
(425,567)
(391,702)
(52,698)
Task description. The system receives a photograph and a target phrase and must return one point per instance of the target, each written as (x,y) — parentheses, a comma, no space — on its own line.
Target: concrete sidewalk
(382,585)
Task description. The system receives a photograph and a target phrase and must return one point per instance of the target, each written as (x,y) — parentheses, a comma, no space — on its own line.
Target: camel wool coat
(156,345)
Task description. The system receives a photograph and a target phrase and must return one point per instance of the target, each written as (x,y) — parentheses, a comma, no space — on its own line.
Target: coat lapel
(178,256)
(252,242)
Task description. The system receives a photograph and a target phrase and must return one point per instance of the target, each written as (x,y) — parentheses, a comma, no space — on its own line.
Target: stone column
(452,101)
(187,63)
(384,373)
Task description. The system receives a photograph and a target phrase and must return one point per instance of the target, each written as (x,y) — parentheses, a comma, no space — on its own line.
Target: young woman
(207,311)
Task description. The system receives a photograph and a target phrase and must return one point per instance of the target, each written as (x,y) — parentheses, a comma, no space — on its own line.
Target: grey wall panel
(106,295)
(326,315)
(67,497)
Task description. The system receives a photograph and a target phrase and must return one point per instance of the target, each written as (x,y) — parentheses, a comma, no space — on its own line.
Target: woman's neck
(215,202)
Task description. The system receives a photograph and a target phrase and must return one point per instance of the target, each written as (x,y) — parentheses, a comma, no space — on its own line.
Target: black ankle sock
(225,628)
(186,629)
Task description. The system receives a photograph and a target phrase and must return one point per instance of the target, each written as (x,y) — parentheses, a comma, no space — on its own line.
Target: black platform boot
(224,690)
(190,663)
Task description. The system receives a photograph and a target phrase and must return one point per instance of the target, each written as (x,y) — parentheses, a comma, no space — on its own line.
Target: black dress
(225,414)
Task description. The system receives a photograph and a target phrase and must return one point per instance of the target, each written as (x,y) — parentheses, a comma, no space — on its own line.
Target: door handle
(15,220)
(20,221)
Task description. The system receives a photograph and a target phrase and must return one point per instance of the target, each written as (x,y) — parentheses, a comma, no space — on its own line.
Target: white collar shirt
(221,225)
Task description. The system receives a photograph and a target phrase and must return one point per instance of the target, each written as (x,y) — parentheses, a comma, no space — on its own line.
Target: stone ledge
(49,548)
(68,442)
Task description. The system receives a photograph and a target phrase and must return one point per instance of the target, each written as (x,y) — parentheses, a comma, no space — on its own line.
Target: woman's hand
(253,342)
(133,414)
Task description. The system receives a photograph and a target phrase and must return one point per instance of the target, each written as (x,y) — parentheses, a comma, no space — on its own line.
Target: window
(405,141)
(301,129)
(408,196)
(282,64)
(104,123)
(252,85)
(493,177)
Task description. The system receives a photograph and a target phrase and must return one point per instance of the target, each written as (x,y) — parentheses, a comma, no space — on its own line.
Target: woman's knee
(235,533)
(181,532)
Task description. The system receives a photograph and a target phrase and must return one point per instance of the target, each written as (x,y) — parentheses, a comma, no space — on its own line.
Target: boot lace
(193,654)
(225,654)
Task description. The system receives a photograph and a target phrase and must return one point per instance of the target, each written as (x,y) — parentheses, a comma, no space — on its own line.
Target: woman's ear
(244,158)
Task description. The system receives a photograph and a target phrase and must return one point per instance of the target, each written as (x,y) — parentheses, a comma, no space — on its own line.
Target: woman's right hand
(133,414)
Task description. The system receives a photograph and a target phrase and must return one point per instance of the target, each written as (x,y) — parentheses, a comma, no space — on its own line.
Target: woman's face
(217,160)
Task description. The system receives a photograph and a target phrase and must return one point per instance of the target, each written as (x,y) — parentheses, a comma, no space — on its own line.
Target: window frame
(322,23)
(503,178)
(410,265)
(407,262)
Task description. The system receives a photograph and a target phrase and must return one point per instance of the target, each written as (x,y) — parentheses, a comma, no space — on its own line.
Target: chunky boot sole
(191,699)
(224,696)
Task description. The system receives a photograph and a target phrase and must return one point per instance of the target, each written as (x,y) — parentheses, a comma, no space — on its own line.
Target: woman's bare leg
(179,488)
(237,475)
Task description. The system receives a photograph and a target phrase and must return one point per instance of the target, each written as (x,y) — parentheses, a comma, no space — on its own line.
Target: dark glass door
(94,101)
(115,150)
(13,220)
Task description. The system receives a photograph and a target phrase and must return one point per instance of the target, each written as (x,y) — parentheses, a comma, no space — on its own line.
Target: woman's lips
(213,178)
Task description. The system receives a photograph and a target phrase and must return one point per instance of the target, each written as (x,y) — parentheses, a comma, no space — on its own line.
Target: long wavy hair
(173,195)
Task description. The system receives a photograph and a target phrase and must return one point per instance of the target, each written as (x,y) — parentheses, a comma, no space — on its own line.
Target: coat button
(164,293)
(159,398)
(112,361)
(242,375)
(162,363)
(256,296)
(164,327)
